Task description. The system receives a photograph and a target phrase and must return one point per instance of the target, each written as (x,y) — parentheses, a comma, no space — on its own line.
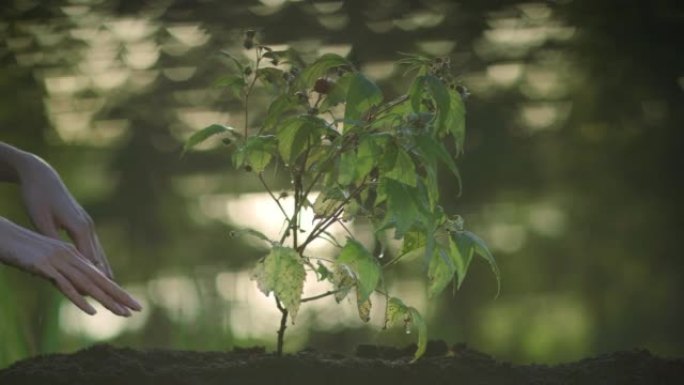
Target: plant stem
(276,200)
(283,326)
(250,87)
(319,296)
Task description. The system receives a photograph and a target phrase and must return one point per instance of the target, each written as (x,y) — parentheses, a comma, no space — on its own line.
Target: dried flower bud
(322,85)
(249,34)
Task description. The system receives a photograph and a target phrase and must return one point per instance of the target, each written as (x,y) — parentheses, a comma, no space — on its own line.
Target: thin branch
(341,223)
(319,296)
(277,201)
(250,87)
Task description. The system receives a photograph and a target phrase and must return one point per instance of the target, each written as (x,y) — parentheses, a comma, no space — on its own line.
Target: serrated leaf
(322,272)
(338,92)
(252,232)
(434,150)
(365,158)
(361,96)
(440,94)
(418,321)
(204,134)
(404,170)
(240,66)
(364,266)
(343,281)
(402,208)
(364,307)
(297,133)
(282,272)
(327,202)
(395,311)
(412,240)
(471,243)
(280,105)
(321,66)
(256,152)
(271,76)
(455,121)
(440,271)
(347,168)
(235,83)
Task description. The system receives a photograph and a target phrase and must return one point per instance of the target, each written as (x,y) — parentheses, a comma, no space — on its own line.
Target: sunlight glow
(505,74)
(258,211)
(104,325)
(177,295)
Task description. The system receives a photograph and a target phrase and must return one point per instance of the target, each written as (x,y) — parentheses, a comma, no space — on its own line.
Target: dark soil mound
(104,364)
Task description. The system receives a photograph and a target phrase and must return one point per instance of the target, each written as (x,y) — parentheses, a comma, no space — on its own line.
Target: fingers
(81,230)
(87,286)
(76,277)
(71,293)
(109,289)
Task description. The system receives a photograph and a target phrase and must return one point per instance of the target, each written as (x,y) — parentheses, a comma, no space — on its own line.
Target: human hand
(51,207)
(64,266)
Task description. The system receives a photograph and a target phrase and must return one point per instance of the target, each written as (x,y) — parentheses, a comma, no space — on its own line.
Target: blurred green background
(572,168)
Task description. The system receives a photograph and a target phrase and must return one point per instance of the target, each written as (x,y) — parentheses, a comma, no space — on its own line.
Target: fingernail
(126,312)
(91,310)
(119,310)
(136,305)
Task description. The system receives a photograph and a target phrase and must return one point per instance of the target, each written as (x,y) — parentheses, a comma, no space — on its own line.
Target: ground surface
(104,364)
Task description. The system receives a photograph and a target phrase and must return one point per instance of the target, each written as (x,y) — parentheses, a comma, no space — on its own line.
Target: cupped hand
(51,207)
(64,266)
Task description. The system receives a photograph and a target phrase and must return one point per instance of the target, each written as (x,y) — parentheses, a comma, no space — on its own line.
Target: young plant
(363,158)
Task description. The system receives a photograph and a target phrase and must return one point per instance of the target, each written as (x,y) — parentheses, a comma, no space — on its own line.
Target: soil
(105,364)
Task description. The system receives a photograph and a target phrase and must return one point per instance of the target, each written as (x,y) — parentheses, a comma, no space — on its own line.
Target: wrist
(16,164)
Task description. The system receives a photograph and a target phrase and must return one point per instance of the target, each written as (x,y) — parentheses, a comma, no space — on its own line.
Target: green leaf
(282,272)
(434,150)
(402,210)
(256,152)
(365,158)
(361,96)
(440,94)
(205,133)
(343,281)
(450,117)
(404,170)
(413,244)
(338,92)
(235,83)
(271,76)
(240,66)
(347,168)
(281,105)
(396,310)
(297,133)
(252,232)
(469,244)
(364,307)
(327,202)
(321,66)
(455,121)
(418,321)
(323,272)
(440,271)
(363,265)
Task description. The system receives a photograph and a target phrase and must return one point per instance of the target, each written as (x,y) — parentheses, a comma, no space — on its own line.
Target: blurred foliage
(571,166)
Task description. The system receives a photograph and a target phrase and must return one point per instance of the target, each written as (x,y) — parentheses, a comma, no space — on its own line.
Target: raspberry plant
(364,158)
